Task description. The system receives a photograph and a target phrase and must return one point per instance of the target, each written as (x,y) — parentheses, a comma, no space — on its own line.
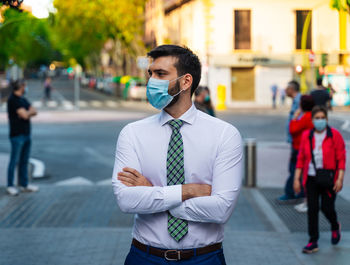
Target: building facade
(250,45)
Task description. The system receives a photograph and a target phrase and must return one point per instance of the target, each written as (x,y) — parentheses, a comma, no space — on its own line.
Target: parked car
(100,84)
(85,79)
(137,91)
(109,85)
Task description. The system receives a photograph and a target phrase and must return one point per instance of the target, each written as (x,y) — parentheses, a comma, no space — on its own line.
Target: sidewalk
(63,225)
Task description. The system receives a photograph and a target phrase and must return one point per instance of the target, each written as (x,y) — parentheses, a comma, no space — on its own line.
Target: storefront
(248,77)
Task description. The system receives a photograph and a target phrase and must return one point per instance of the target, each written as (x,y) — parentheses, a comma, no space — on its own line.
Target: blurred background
(95,53)
(250,44)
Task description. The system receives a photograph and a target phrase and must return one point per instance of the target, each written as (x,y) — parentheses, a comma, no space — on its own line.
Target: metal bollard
(250,162)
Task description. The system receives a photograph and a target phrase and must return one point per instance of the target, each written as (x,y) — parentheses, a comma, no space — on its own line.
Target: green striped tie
(177,228)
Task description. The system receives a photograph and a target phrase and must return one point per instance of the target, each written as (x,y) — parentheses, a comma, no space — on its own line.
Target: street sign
(142,62)
(312,57)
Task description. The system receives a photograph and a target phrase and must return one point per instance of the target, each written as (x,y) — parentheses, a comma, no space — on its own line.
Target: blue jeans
(138,257)
(288,189)
(20,151)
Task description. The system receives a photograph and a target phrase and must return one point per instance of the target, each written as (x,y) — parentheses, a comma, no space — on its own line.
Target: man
(179,171)
(19,112)
(320,95)
(199,98)
(292,91)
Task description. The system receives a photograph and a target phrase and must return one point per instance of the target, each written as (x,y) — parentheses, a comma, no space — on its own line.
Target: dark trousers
(288,189)
(138,257)
(20,151)
(313,194)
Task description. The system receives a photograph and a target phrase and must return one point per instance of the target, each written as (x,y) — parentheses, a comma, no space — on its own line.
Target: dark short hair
(307,103)
(318,109)
(187,61)
(319,81)
(16,85)
(295,85)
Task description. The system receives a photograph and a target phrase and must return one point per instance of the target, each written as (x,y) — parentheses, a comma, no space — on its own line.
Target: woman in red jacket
(301,122)
(323,174)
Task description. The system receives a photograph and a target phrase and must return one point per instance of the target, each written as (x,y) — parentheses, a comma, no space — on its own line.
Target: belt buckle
(175,252)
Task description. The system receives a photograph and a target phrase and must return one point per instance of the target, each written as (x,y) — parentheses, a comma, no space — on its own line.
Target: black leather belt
(174,254)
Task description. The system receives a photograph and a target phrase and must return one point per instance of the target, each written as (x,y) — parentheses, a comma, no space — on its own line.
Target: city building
(250,45)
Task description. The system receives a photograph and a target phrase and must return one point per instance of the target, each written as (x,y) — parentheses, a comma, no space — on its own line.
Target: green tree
(25,39)
(340,4)
(82,27)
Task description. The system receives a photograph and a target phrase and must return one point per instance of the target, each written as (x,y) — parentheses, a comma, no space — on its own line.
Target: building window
(300,20)
(242,37)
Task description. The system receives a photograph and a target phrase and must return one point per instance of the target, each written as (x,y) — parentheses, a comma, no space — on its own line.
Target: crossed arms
(194,201)
(26,114)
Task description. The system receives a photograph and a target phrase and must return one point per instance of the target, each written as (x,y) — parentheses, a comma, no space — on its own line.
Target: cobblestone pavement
(63,225)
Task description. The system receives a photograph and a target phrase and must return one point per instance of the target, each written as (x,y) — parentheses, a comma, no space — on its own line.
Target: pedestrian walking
(179,171)
(320,94)
(202,100)
(274,90)
(301,122)
(47,89)
(282,96)
(321,163)
(20,112)
(292,91)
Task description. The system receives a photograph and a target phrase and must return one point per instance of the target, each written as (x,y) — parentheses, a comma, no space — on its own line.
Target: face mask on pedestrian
(157,92)
(207,98)
(320,124)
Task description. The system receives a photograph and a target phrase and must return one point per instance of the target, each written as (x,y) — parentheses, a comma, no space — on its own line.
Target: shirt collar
(189,116)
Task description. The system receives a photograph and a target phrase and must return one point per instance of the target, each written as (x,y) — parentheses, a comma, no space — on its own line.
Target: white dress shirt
(318,153)
(212,155)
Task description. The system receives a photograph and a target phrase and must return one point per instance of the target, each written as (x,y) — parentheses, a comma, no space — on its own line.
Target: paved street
(74,218)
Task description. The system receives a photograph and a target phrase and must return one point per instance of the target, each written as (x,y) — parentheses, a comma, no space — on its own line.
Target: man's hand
(195,190)
(32,111)
(296,114)
(131,177)
(297,186)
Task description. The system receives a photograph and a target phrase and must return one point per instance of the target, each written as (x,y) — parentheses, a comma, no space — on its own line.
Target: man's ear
(186,82)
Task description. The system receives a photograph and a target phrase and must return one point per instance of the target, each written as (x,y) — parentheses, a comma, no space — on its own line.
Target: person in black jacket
(320,95)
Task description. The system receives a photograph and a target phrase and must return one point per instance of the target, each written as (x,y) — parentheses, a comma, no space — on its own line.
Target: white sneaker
(301,208)
(12,191)
(30,188)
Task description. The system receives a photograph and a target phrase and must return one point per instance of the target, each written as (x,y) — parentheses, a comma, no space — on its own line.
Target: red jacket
(333,148)
(297,127)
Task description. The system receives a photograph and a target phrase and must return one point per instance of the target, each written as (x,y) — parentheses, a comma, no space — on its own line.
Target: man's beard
(176,98)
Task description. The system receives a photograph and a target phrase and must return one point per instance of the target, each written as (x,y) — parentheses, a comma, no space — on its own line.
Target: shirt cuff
(172,196)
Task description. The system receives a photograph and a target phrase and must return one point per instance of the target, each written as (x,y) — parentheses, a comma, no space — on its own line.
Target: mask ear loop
(176,80)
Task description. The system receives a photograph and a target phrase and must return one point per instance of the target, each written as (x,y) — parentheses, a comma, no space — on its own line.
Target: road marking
(37,104)
(346,126)
(106,182)
(83,104)
(67,105)
(52,104)
(269,212)
(38,168)
(75,181)
(111,104)
(98,157)
(96,103)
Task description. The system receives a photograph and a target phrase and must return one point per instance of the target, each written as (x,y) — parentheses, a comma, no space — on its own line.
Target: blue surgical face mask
(207,98)
(157,92)
(320,124)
